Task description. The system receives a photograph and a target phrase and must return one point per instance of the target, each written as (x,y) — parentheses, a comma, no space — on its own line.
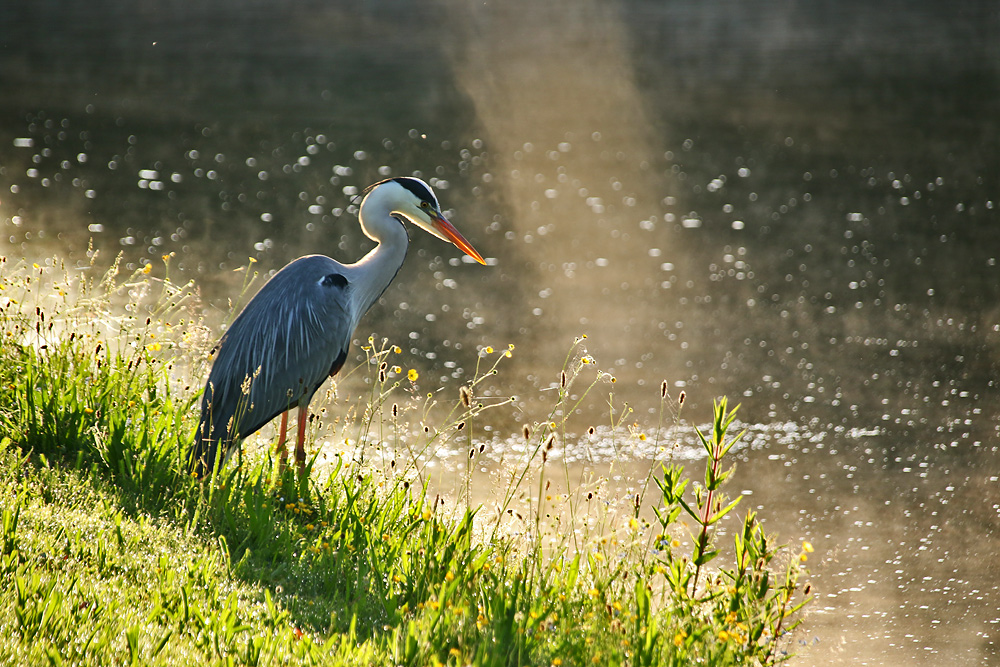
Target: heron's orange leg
(280,447)
(300,446)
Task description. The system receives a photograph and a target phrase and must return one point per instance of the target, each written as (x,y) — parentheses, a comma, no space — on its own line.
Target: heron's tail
(204,451)
(211,440)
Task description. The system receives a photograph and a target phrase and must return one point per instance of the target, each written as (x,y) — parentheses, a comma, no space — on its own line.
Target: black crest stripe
(418,189)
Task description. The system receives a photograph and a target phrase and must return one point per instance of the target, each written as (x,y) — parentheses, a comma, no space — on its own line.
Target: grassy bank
(115,556)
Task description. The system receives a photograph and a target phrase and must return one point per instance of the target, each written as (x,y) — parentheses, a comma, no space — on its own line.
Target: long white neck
(374,271)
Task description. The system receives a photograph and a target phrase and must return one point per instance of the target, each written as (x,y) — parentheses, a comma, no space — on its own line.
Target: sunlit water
(739,212)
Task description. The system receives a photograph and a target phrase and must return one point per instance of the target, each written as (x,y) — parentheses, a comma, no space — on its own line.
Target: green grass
(115,556)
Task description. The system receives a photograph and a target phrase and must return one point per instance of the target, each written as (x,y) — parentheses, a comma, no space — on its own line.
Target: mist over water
(793,206)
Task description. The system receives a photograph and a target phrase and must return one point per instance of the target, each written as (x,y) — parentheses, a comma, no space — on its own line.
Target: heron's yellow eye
(425,204)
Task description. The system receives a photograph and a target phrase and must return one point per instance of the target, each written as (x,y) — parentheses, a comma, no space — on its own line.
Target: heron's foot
(280,448)
(282,458)
(300,460)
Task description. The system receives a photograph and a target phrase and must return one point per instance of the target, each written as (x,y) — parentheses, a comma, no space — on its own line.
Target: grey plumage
(292,335)
(295,332)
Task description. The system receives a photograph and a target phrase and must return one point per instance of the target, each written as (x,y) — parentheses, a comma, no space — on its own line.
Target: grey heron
(295,332)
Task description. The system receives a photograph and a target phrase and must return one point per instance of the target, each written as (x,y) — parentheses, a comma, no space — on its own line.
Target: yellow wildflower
(412,375)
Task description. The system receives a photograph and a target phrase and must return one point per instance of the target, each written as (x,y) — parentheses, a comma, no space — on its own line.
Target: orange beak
(455,237)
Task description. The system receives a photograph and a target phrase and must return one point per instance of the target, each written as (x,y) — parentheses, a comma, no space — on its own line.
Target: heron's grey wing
(290,337)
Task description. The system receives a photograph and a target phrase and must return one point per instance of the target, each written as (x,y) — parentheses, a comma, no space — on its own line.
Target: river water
(793,205)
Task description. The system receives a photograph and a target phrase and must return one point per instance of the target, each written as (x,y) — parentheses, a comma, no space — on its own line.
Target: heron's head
(413,200)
